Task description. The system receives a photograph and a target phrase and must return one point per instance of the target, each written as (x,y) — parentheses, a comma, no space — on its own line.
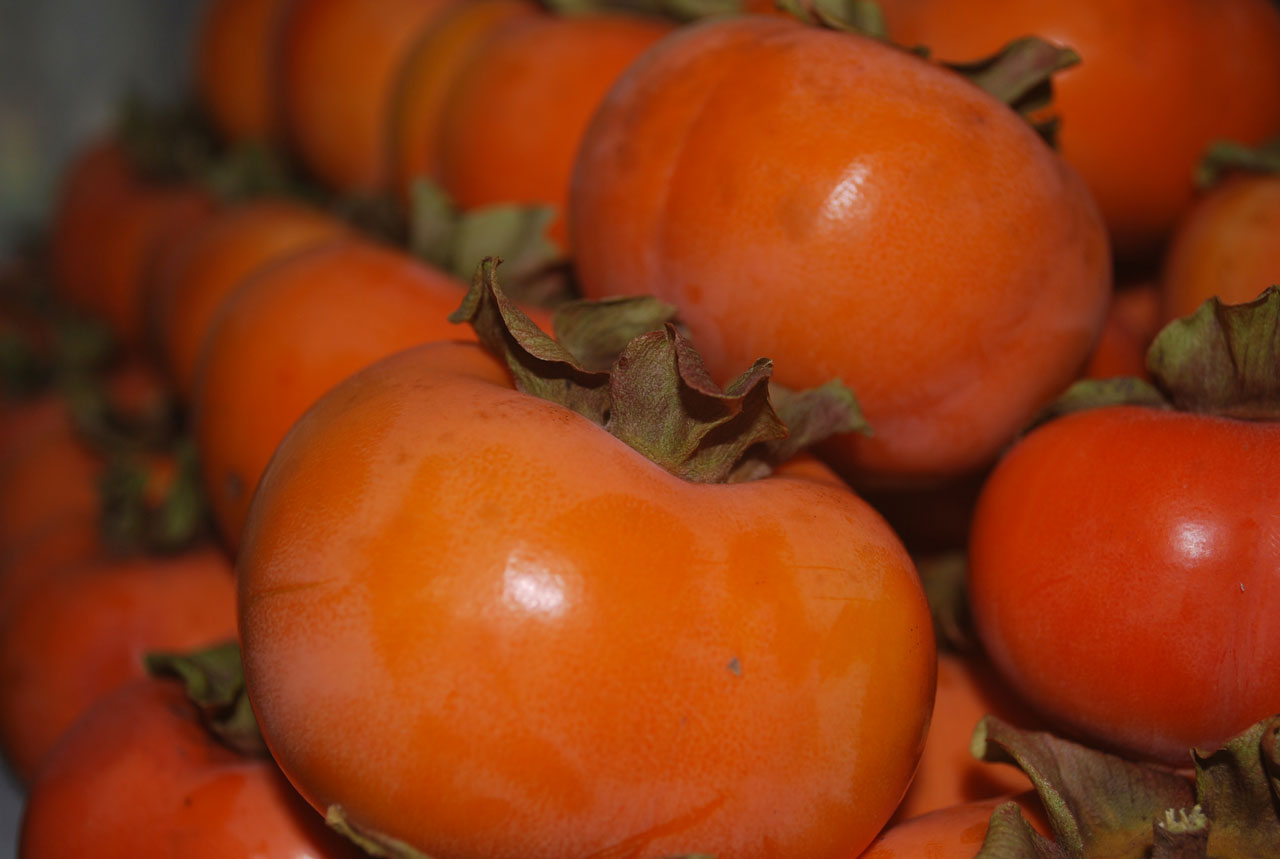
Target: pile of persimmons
(484,430)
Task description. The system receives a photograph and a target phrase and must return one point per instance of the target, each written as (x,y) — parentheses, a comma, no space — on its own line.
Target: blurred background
(65,65)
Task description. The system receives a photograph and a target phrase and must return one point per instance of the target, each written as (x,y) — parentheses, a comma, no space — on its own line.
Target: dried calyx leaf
(863,17)
(1089,394)
(946,587)
(677,10)
(214,680)
(443,235)
(1225,156)
(148,507)
(1021,75)
(1239,795)
(177,144)
(656,393)
(1224,360)
(372,843)
(1101,805)
(1097,804)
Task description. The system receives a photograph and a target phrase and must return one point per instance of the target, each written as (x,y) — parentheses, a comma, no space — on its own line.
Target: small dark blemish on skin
(735,666)
(235,485)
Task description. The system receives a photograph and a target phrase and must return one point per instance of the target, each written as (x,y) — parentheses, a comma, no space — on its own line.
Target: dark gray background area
(64,67)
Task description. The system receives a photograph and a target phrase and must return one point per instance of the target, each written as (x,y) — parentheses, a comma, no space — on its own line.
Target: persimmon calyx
(1101,805)
(135,516)
(656,393)
(214,680)
(371,842)
(1021,75)
(677,10)
(176,144)
(946,588)
(1226,156)
(863,17)
(456,241)
(1224,359)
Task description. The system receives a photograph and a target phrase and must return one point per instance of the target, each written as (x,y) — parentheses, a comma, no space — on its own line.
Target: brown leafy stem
(653,390)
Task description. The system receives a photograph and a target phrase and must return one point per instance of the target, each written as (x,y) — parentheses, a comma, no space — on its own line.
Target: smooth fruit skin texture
(851,212)
(948,774)
(1160,80)
(1228,246)
(138,775)
(338,65)
(485,626)
(81,631)
(290,333)
(512,124)
(235,51)
(954,832)
(195,275)
(1123,577)
(428,80)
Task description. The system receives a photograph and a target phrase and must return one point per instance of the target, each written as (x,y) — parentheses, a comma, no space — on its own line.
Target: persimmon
(573,651)
(1123,558)
(853,212)
(1133,320)
(108,225)
(948,774)
(234,67)
(1159,82)
(1227,246)
(428,78)
(953,832)
(80,631)
(1138,548)
(337,67)
(72,538)
(45,480)
(196,274)
(289,333)
(140,774)
(98,180)
(511,127)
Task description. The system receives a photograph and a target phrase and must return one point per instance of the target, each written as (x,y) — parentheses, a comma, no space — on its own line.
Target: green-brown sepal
(214,680)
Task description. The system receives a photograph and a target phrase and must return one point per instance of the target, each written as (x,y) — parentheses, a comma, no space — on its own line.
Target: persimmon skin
(954,832)
(851,212)
(338,65)
(97,180)
(1159,82)
(573,652)
(195,275)
(81,631)
(1123,577)
(139,775)
(145,221)
(289,333)
(948,774)
(47,479)
(1227,246)
(235,51)
(512,124)
(1133,321)
(428,79)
